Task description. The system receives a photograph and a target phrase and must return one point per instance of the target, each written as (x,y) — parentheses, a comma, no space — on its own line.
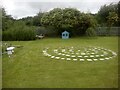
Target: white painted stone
(95,59)
(92,53)
(102,55)
(85,56)
(52,56)
(81,59)
(62,58)
(101,59)
(79,56)
(68,59)
(72,53)
(89,59)
(59,53)
(63,50)
(73,56)
(82,53)
(91,56)
(49,55)
(44,51)
(110,57)
(114,53)
(67,55)
(63,54)
(107,58)
(74,59)
(97,55)
(57,57)
(77,53)
(79,50)
(55,50)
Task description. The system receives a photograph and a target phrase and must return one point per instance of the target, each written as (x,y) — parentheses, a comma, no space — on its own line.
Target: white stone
(110,57)
(107,58)
(114,53)
(67,55)
(63,54)
(89,59)
(59,53)
(101,55)
(97,55)
(95,59)
(72,56)
(49,55)
(55,50)
(52,56)
(57,57)
(82,53)
(78,50)
(79,56)
(68,59)
(44,51)
(92,53)
(91,56)
(101,59)
(74,59)
(63,50)
(77,53)
(62,58)
(85,56)
(81,59)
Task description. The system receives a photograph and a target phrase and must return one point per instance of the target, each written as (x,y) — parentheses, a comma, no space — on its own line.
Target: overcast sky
(23,8)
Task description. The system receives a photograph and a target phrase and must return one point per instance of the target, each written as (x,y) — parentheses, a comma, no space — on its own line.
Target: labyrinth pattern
(79,54)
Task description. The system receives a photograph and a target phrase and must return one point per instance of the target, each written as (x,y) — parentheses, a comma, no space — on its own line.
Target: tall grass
(19,32)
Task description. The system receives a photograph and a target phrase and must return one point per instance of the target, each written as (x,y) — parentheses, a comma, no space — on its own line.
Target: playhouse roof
(65,32)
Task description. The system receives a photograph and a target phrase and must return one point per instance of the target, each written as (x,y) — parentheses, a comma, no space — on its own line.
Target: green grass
(29,68)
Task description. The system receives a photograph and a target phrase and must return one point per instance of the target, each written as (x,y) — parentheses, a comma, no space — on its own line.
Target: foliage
(69,19)
(7,20)
(104,11)
(19,31)
(90,32)
(112,18)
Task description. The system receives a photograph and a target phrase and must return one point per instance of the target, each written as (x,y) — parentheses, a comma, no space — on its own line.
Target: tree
(103,13)
(69,19)
(7,20)
(111,19)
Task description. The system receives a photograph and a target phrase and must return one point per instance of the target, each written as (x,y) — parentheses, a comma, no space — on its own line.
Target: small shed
(65,35)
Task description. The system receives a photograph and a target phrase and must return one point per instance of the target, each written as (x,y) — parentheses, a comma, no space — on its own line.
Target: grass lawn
(29,68)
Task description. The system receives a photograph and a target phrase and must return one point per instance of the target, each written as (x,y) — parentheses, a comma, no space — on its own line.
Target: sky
(23,8)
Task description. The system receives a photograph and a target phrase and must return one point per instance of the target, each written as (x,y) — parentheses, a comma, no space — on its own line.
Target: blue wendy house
(65,35)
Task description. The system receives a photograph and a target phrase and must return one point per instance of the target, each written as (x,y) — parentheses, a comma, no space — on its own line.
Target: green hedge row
(19,32)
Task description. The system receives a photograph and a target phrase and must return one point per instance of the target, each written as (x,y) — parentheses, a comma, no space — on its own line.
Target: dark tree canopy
(69,19)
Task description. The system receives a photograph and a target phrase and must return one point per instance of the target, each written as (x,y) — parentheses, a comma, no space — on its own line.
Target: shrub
(19,31)
(90,32)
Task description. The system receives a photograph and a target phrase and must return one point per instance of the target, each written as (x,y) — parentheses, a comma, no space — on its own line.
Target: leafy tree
(118,13)
(69,19)
(103,13)
(37,19)
(7,20)
(112,18)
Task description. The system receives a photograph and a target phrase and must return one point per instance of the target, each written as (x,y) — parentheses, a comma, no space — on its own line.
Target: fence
(114,31)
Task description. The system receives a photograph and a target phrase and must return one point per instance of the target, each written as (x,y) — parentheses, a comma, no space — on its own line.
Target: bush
(90,32)
(19,31)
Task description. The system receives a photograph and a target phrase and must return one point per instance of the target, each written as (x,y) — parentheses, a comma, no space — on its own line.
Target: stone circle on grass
(79,54)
